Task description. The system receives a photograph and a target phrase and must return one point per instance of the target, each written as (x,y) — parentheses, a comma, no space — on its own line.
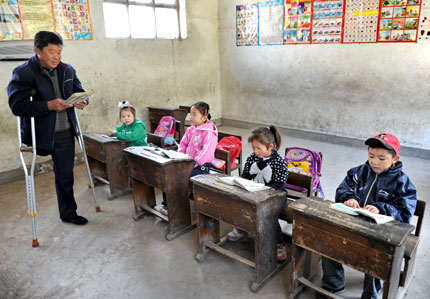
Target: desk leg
(178,207)
(301,267)
(116,168)
(208,229)
(266,265)
(391,286)
(143,195)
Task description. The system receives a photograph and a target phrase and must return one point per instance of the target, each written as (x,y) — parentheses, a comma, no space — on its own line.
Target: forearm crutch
(84,153)
(29,176)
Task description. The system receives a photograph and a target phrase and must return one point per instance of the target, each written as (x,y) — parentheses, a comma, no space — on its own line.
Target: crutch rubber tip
(35,243)
(98,209)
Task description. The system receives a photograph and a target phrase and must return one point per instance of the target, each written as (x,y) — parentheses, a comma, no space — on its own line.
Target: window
(164,19)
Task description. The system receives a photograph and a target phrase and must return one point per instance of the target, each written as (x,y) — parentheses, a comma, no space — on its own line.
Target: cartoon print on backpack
(166,128)
(304,161)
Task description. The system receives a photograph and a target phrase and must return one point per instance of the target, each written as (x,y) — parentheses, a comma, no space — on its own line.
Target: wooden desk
(253,212)
(107,162)
(375,249)
(172,177)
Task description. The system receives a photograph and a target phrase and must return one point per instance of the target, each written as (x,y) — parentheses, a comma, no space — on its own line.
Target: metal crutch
(84,153)
(29,177)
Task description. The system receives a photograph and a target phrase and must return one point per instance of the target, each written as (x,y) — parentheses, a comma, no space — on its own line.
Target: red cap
(388,141)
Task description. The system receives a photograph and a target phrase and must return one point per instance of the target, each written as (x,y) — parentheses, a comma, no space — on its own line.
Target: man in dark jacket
(379,186)
(50,81)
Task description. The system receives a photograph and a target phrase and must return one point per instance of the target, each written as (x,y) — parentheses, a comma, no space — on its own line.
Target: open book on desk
(243,183)
(378,218)
(166,153)
(78,97)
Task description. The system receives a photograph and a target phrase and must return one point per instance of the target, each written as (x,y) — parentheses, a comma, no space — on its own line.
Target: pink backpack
(166,129)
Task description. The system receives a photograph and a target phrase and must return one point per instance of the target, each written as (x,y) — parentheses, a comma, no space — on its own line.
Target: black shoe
(334,291)
(78,220)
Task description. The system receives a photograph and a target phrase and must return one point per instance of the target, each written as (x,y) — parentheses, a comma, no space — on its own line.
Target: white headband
(123,104)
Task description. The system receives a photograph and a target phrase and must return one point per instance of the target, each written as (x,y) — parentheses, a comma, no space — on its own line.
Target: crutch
(84,153)
(29,177)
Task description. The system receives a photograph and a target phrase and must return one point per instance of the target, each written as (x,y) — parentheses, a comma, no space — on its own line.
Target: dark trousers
(334,278)
(63,157)
(203,169)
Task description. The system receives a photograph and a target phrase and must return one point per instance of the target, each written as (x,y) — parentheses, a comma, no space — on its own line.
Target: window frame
(153,5)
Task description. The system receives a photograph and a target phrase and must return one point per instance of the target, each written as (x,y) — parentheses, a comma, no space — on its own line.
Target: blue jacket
(27,79)
(391,191)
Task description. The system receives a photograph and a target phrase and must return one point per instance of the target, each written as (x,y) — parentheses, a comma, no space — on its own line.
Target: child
(265,166)
(132,128)
(380,187)
(199,142)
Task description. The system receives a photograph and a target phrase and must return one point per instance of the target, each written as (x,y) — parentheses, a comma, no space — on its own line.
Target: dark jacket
(390,191)
(271,171)
(27,79)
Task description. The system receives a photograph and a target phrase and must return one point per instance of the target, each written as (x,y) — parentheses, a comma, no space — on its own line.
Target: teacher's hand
(58,105)
(81,105)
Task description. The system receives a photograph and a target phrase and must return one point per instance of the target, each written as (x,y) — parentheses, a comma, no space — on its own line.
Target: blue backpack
(307,162)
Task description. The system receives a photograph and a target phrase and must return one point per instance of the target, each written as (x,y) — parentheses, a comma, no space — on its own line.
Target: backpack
(231,144)
(166,129)
(304,161)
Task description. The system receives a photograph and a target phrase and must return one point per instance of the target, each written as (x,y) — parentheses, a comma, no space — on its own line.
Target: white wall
(162,73)
(345,90)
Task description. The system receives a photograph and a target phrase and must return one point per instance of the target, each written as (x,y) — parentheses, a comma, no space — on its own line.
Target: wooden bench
(225,156)
(303,181)
(159,141)
(411,247)
(155,114)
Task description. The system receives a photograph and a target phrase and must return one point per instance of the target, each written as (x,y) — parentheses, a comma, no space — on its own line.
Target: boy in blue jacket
(381,187)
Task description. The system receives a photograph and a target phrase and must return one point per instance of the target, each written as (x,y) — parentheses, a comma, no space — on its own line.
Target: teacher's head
(48,46)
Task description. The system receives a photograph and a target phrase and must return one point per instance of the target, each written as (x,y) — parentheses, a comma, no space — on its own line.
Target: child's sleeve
(138,132)
(280,174)
(403,204)
(346,189)
(185,141)
(246,168)
(210,141)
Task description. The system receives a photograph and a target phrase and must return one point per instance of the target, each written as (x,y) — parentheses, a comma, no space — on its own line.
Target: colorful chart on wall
(399,20)
(271,18)
(361,21)
(334,21)
(24,18)
(424,27)
(72,18)
(10,26)
(297,26)
(327,21)
(247,25)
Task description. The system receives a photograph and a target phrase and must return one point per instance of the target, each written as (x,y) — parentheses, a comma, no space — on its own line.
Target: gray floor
(116,257)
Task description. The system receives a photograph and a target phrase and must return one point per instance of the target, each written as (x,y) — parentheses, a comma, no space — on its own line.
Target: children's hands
(372,209)
(352,203)
(111,132)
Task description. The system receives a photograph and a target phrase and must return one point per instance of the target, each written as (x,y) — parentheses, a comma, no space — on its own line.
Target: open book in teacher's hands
(378,218)
(248,185)
(78,97)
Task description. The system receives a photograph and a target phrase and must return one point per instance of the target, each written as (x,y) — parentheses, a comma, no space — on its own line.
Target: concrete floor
(116,257)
